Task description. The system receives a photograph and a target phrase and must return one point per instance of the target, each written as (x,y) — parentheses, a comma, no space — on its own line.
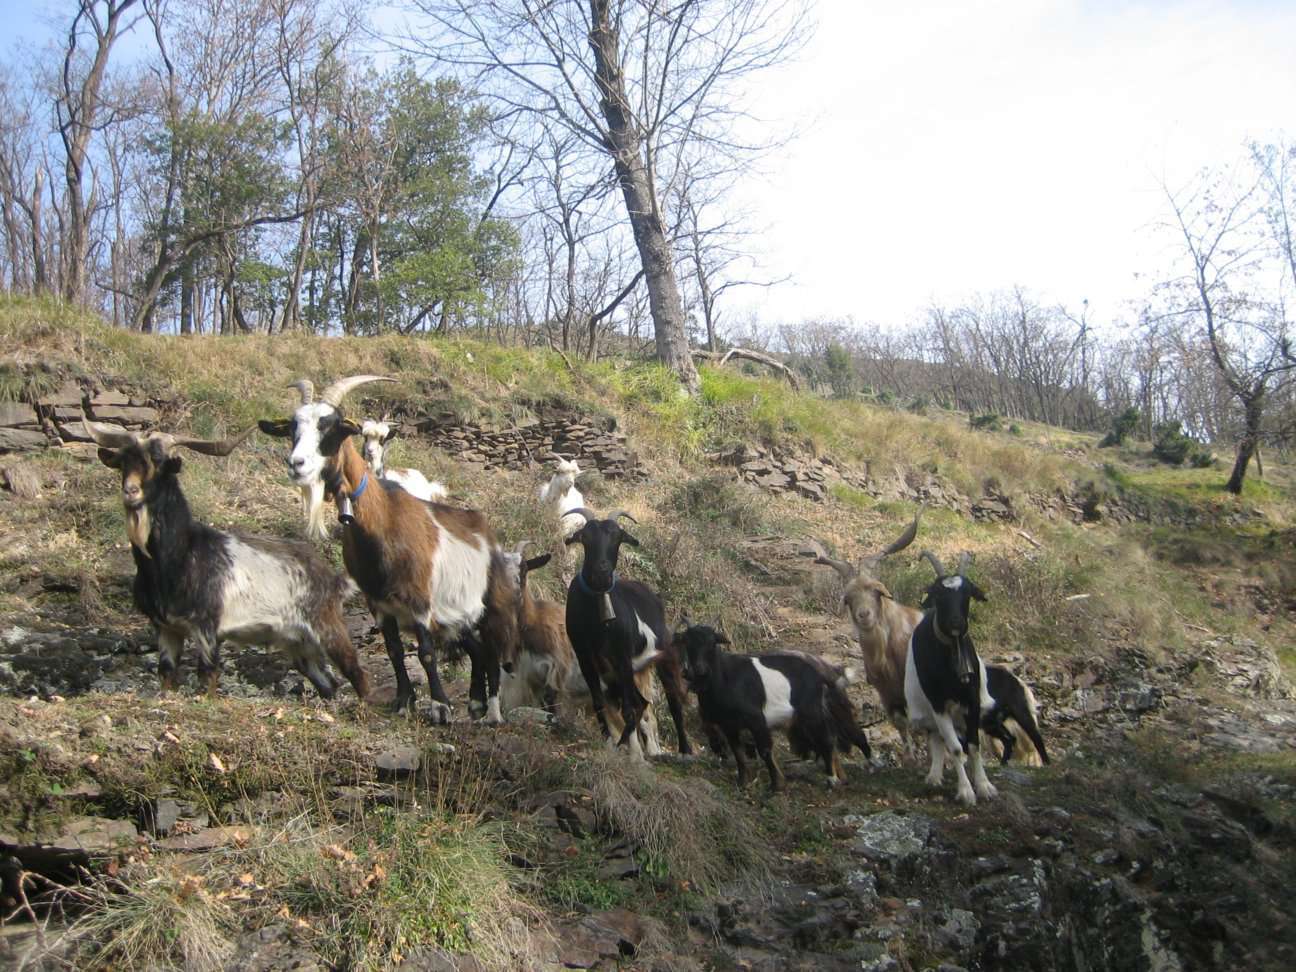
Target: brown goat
(882,625)
(544,666)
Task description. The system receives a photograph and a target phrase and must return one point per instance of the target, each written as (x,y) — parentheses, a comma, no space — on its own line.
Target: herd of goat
(438,572)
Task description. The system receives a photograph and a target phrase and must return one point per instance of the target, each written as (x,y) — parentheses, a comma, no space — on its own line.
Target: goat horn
(930,557)
(106,436)
(335,392)
(210,447)
(584,511)
(307,389)
(620,513)
(965,561)
(899,544)
(816,549)
(520,549)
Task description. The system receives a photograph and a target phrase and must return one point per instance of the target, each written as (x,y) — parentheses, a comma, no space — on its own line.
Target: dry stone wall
(594,443)
(54,417)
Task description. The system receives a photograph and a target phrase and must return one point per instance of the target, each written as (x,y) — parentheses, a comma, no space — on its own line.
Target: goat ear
(976,592)
(574,538)
(627,538)
(535,563)
(348,427)
(172,466)
(722,639)
(110,458)
(390,435)
(279,428)
(882,589)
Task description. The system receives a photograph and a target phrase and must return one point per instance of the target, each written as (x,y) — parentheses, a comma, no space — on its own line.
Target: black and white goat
(945,682)
(193,581)
(791,691)
(432,569)
(376,437)
(1012,699)
(618,627)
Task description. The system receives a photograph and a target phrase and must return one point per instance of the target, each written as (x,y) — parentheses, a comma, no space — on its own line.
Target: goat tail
(841,716)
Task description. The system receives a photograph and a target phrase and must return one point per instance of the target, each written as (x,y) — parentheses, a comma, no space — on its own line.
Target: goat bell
(606,611)
(346,513)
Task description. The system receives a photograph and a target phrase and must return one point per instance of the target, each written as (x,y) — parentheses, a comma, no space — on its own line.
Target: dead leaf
(171,737)
(337,852)
(247,880)
(279,713)
(215,762)
(325,717)
(191,885)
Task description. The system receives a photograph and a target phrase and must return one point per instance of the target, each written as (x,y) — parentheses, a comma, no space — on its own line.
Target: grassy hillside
(1136,602)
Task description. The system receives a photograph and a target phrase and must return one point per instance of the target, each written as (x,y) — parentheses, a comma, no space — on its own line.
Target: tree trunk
(186,297)
(1250,442)
(626,144)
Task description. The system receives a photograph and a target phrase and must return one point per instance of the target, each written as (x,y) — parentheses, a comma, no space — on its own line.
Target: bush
(986,423)
(919,405)
(1122,425)
(1201,459)
(1014,429)
(1170,445)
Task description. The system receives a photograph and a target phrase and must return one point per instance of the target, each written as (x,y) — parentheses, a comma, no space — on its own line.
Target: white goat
(561,494)
(376,436)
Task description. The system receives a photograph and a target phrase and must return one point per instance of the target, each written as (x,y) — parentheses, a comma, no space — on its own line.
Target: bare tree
(1235,288)
(636,81)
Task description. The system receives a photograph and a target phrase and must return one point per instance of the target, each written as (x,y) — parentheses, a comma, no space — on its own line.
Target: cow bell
(965,667)
(346,514)
(606,612)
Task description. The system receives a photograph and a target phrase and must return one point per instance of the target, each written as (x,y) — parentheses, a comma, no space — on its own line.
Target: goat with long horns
(194,581)
(431,569)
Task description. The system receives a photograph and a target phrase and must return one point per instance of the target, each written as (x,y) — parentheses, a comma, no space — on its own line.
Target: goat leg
(208,661)
(396,652)
(765,746)
(672,683)
(427,658)
(736,747)
(589,670)
(170,645)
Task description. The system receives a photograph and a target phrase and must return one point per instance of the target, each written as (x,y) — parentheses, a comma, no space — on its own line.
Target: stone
(95,835)
(166,813)
(71,430)
(398,762)
(613,935)
(531,715)
(889,837)
(17,413)
(69,395)
(959,930)
(127,414)
(109,396)
(18,440)
(210,838)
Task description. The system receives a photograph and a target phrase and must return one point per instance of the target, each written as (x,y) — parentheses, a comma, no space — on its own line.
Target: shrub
(1122,425)
(1201,459)
(919,405)
(1169,443)
(988,422)
(1014,429)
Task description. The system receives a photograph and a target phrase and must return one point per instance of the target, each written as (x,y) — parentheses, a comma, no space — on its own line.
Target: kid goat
(945,681)
(561,496)
(193,581)
(782,690)
(424,567)
(376,436)
(618,627)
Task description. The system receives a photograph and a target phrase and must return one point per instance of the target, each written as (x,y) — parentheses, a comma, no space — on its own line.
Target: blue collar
(364,484)
(584,584)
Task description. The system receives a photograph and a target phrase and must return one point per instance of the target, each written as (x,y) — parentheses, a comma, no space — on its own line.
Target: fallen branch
(756,356)
(1029,539)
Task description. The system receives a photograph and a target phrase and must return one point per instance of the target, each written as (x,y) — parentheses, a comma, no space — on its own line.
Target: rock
(17,413)
(70,395)
(613,935)
(71,430)
(273,948)
(166,813)
(109,397)
(18,440)
(398,762)
(209,839)
(127,414)
(959,930)
(530,714)
(1142,698)
(95,835)
(864,885)
(889,837)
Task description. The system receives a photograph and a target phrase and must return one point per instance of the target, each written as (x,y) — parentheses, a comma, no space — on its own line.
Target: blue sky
(955,146)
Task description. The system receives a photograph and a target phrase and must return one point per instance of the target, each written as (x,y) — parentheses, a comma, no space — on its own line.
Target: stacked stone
(54,418)
(595,445)
(782,473)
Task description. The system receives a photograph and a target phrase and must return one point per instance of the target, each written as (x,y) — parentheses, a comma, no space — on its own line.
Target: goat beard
(138,527)
(313,510)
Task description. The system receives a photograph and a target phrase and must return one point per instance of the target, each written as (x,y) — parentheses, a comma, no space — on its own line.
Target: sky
(954,147)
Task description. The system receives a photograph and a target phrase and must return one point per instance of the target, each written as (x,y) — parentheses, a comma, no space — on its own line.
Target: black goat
(784,690)
(945,681)
(617,627)
(209,585)
(1014,700)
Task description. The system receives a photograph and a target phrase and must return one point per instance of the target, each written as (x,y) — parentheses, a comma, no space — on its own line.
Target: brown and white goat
(882,625)
(431,569)
(544,668)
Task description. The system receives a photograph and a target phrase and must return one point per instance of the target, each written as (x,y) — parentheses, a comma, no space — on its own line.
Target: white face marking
(306,461)
(778,709)
(952,583)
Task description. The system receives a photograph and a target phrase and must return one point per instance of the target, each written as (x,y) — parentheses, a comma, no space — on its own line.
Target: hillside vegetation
(1132,621)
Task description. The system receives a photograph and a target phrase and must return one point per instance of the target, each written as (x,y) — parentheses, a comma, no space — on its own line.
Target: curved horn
(906,538)
(930,557)
(584,511)
(521,546)
(816,550)
(620,513)
(335,392)
(106,437)
(965,561)
(307,389)
(210,447)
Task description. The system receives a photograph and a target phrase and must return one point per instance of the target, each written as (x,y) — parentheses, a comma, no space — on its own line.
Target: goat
(617,627)
(428,568)
(561,494)
(1014,700)
(545,670)
(194,581)
(376,436)
(945,681)
(882,625)
(783,690)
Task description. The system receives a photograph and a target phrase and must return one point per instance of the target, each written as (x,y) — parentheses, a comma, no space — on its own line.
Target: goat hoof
(401,704)
(987,792)
(967,798)
(439,714)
